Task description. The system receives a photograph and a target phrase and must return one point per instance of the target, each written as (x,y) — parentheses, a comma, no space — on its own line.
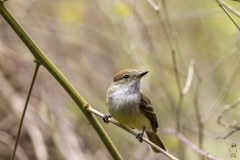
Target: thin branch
(198,114)
(155,56)
(174,60)
(166,31)
(189,143)
(153,4)
(222,94)
(173,51)
(90,109)
(174,44)
(31,126)
(229,125)
(230,133)
(169,35)
(189,77)
(225,110)
(228,7)
(173,36)
(170,40)
(25,108)
(228,15)
(219,62)
(133,47)
(180,100)
(199,83)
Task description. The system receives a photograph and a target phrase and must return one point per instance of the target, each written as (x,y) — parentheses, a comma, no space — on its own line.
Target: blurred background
(89,41)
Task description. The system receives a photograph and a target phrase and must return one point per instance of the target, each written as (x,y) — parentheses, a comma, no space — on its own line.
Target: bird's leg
(140,135)
(105,118)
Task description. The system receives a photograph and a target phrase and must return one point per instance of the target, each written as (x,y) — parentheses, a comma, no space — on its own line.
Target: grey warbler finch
(128,105)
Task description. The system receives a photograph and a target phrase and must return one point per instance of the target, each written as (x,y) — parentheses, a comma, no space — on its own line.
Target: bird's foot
(105,118)
(140,137)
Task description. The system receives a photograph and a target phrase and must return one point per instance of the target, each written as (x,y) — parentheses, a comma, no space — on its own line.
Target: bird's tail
(153,137)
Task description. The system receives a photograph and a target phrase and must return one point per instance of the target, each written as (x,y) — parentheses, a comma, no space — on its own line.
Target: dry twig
(228,7)
(229,125)
(189,143)
(189,77)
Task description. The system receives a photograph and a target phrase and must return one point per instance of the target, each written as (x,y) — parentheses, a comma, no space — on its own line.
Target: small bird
(128,105)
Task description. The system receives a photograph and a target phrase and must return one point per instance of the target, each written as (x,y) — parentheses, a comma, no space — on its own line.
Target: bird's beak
(141,74)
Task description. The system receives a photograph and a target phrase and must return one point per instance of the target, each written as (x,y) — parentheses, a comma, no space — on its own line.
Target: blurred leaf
(123,10)
(171,142)
(73,12)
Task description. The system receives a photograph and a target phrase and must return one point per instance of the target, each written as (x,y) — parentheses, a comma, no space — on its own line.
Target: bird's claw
(140,137)
(105,118)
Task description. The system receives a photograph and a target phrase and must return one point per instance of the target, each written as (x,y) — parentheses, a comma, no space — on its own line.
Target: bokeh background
(89,41)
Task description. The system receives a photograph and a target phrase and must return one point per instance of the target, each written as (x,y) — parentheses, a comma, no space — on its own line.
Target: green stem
(198,115)
(174,37)
(43,60)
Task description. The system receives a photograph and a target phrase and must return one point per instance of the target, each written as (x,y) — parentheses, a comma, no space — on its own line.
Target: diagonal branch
(189,143)
(25,108)
(221,4)
(228,7)
(90,109)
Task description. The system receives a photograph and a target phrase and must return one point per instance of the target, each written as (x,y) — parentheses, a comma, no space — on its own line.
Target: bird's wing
(146,107)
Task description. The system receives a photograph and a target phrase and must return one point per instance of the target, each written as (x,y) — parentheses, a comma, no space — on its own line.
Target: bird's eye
(126,76)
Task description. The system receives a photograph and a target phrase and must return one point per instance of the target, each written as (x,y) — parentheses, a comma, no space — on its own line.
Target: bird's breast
(125,109)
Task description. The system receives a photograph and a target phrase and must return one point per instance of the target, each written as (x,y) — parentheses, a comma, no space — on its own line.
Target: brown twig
(229,125)
(171,38)
(154,53)
(25,108)
(181,137)
(30,120)
(175,68)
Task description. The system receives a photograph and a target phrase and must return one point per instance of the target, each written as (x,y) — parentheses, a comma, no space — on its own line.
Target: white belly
(129,113)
